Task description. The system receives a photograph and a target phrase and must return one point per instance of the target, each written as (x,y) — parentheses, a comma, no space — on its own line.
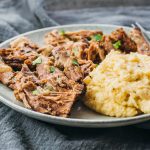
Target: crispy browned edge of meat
(143,46)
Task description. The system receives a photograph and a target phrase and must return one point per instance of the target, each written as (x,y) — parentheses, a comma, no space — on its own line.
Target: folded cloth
(18,132)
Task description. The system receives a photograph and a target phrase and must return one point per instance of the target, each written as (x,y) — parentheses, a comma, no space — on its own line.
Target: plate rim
(64,26)
(66,121)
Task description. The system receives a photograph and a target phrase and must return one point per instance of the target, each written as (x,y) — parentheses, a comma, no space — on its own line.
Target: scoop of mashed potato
(120,85)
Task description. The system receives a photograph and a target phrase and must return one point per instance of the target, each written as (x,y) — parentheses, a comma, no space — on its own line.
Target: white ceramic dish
(80,115)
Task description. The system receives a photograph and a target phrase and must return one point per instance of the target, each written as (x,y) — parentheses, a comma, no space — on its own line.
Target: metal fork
(143,31)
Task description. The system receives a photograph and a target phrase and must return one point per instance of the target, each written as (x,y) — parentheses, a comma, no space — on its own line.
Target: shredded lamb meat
(40,96)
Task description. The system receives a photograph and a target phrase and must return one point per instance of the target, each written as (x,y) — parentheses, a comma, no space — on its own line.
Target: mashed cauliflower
(120,85)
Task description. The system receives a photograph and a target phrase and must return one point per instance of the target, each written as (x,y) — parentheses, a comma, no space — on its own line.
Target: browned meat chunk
(74,73)
(68,63)
(45,50)
(55,76)
(95,52)
(21,43)
(143,46)
(6,77)
(62,57)
(21,50)
(73,67)
(126,43)
(55,103)
(56,37)
(6,73)
(106,45)
(86,66)
(48,95)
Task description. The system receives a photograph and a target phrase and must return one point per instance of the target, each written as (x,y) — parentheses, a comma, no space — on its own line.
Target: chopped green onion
(35,92)
(37,61)
(97,37)
(75,51)
(75,62)
(52,69)
(117,44)
(62,32)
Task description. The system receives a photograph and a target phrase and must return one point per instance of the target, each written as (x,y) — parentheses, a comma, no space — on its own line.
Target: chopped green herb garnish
(35,92)
(59,79)
(75,62)
(49,87)
(96,65)
(97,37)
(67,53)
(52,69)
(62,32)
(75,51)
(37,61)
(117,44)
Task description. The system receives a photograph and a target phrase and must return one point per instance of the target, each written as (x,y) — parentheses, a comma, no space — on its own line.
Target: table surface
(20,132)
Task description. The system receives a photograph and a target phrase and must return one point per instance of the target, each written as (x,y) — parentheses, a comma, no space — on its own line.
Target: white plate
(80,115)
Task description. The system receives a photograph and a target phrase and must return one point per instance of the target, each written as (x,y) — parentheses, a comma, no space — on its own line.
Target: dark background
(18,132)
